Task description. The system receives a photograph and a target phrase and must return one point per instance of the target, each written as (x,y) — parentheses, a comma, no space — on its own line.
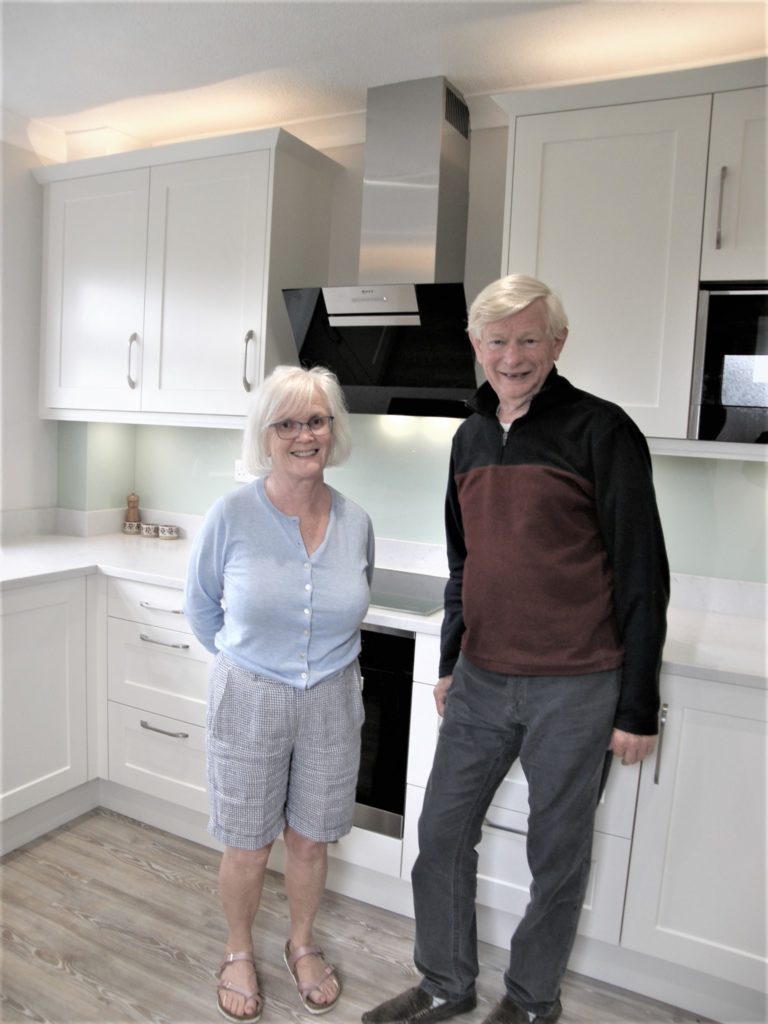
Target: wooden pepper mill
(132,515)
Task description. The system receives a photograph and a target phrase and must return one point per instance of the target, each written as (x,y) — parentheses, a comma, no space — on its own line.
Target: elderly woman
(277,587)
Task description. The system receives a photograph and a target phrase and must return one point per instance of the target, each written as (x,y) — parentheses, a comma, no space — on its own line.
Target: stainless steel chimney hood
(397,339)
(415,184)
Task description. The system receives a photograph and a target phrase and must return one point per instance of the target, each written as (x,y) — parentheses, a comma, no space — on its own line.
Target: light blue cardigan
(253,592)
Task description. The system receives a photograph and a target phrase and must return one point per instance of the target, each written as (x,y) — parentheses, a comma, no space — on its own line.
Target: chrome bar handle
(246,383)
(163,643)
(133,338)
(175,735)
(504,828)
(157,608)
(719,230)
(662,724)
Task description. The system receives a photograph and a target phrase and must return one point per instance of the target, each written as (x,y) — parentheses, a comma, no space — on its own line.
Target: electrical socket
(241,475)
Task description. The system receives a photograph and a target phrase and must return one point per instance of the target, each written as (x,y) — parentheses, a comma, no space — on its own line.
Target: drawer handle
(157,608)
(505,828)
(662,724)
(163,643)
(175,735)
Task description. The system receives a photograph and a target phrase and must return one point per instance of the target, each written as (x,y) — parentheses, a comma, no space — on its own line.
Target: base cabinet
(157,681)
(161,756)
(503,876)
(697,882)
(44,731)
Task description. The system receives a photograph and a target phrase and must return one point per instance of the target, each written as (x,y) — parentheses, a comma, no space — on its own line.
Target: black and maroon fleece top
(556,554)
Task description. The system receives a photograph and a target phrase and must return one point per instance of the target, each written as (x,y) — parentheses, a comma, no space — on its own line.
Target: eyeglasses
(289,430)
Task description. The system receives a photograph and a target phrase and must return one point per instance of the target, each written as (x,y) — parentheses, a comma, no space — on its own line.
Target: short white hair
(510,295)
(286,391)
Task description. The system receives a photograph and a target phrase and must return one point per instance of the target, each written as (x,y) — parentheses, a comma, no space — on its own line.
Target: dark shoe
(508,1012)
(415,1007)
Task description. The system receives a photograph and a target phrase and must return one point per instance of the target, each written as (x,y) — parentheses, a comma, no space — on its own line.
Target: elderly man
(555,617)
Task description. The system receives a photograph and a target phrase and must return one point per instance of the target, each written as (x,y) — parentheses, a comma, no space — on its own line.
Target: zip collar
(555,390)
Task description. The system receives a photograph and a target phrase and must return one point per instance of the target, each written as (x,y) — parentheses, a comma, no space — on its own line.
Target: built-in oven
(386,663)
(729,396)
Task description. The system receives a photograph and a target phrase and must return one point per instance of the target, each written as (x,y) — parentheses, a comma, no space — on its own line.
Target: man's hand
(440,692)
(629,747)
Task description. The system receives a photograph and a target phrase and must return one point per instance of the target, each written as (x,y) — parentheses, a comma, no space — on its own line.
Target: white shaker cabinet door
(735,245)
(206,268)
(96,240)
(697,884)
(44,748)
(606,208)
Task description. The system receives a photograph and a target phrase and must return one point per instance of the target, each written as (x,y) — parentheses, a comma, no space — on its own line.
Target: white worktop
(716,628)
(47,557)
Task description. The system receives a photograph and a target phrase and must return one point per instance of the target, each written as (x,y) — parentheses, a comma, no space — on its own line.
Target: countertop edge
(163,563)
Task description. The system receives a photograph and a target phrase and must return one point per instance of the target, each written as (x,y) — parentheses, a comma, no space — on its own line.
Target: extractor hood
(397,339)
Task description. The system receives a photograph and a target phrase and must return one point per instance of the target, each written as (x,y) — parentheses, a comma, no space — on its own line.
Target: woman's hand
(440,693)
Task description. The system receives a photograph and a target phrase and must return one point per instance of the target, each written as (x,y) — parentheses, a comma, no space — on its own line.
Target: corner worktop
(47,557)
(716,628)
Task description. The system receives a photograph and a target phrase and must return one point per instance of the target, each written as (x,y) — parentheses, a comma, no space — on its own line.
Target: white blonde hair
(286,391)
(509,295)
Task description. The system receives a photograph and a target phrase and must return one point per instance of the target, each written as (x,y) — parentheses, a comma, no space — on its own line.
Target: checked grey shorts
(277,754)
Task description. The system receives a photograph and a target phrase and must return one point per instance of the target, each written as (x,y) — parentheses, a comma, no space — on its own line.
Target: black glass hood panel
(399,349)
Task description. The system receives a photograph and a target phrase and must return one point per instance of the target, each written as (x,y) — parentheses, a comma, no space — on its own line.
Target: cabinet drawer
(159,670)
(615,814)
(369,850)
(146,602)
(169,764)
(503,877)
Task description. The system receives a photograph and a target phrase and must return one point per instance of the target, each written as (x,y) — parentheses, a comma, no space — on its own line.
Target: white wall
(27,443)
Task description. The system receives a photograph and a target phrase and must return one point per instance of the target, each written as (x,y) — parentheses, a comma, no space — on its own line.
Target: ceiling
(83,78)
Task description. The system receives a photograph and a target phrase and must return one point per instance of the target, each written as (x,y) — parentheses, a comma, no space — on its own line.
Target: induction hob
(407,591)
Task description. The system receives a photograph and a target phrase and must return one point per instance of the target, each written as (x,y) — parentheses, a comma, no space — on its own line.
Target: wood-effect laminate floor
(109,921)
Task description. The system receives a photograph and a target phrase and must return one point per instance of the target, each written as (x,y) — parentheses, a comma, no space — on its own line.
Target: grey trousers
(559,727)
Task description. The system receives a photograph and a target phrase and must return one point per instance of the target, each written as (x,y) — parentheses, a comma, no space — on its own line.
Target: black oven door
(730,382)
(386,664)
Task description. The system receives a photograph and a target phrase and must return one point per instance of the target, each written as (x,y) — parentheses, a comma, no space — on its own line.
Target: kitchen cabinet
(605,201)
(605,206)
(206,251)
(503,876)
(735,247)
(162,281)
(157,678)
(94,291)
(44,730)
(697,888)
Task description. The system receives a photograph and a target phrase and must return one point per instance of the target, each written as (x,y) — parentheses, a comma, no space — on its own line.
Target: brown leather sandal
(249,996)
(305,987)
